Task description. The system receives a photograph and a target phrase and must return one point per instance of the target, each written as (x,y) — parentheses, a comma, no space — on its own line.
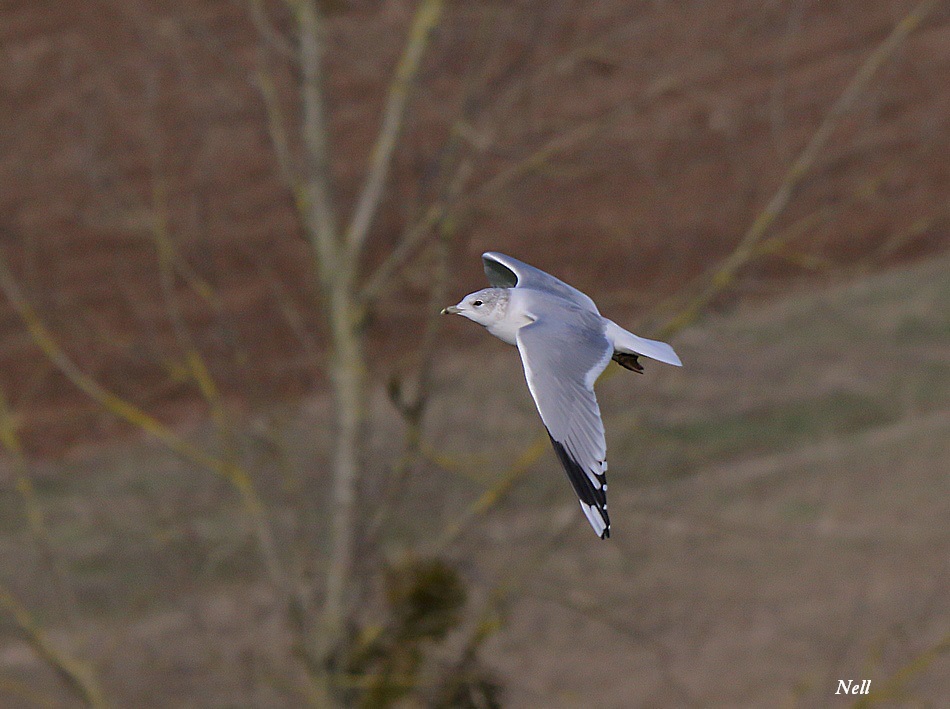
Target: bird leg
(628,361)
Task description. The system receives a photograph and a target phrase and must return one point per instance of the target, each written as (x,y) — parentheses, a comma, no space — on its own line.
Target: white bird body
(565,344)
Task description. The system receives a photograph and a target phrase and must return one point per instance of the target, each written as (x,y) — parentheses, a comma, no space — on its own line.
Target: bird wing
(507,272)
(562,360)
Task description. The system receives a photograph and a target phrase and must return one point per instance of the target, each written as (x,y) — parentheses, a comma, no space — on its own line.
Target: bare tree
(338,255)
(475,166)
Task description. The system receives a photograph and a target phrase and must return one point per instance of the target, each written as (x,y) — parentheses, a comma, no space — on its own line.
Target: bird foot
(628,361)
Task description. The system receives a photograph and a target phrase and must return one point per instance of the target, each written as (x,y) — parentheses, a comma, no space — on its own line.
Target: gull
(565,344)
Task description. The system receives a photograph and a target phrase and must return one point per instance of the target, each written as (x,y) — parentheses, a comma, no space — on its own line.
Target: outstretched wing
(506,272)
(562,360)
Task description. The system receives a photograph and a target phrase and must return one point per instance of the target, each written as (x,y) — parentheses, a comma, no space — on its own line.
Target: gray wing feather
(562,358)
(507,272)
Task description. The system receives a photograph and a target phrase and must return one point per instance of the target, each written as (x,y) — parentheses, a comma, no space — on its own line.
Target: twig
(412,405)
(35,518)
(267,31)
(893,685)
(319,215)
(199,373)
(457,208)
(379,280)
(292,313)
(278,133)
(426,17)
(516,578)
(777,244)
(488,499)
(195,364)
(745,250)
(125,410)
(77,675)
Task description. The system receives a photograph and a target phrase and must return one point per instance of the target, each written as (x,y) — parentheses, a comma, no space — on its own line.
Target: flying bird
(565,344)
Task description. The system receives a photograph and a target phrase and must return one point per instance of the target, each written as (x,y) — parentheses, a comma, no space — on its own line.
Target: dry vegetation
(246,465)
(780,522)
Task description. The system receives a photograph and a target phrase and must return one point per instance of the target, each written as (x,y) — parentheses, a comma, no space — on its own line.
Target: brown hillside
(120,122)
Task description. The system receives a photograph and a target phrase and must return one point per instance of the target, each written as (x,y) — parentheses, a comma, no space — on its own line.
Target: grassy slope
(779,510)
(780,513)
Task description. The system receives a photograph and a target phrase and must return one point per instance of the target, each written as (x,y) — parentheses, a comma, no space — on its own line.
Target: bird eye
(477,303)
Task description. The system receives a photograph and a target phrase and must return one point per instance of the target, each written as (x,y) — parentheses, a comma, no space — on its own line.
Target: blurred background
(245,463)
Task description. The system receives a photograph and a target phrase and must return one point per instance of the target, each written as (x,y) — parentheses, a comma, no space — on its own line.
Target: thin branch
(672,306)
(893,685)
(195,365)
(749,248)
(412,404)
(78,675)
(199,373)
(455,210)
(33,510)
(496,492)
(292,313)
(337,271)
(516,578)
(277,132)
(320,217)
(122,409)
(439,212)
(427,16)
(267,31)
(745,250)
(412,238)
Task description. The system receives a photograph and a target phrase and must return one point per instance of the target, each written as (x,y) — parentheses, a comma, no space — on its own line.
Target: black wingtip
(590,497)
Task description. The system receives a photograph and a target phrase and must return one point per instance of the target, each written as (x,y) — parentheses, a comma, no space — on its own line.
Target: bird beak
(451,310)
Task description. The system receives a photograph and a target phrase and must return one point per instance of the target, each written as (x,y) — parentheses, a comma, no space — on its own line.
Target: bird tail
(632,344)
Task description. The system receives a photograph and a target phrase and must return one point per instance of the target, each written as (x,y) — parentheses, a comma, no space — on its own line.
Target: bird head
(484,306)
